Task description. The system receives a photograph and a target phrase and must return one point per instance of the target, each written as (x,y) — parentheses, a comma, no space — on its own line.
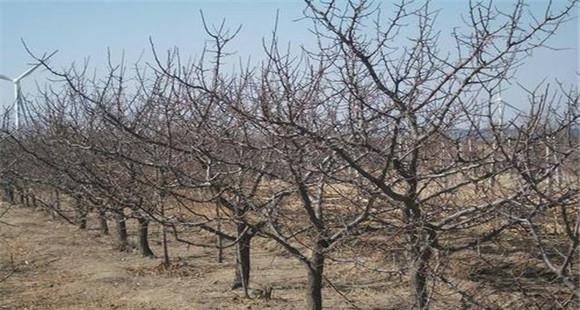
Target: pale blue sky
(80,29)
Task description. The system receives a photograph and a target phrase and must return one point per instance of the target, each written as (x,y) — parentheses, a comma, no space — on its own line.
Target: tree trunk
(83,213)
(82,218)
(418,255)
(220,250)
(21,195)
(34,202)
(418,273)
(161,205)
(315,274)
(103,222)
(56,207)
(166,261)
(122,236)
(143,237)
(242,276)
(27,199)
(220,253)
(8,193)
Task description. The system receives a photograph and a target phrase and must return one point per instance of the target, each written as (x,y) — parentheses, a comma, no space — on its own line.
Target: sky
(83,29)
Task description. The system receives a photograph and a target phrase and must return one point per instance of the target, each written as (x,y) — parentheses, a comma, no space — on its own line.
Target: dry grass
(54,265)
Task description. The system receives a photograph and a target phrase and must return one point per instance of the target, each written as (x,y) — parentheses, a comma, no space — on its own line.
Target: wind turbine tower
(501,106)
(18,91)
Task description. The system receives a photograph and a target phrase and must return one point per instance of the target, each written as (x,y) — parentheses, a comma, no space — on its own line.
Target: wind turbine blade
(23,75)
(515,108)
(51,54)
(3,77)
(17,104)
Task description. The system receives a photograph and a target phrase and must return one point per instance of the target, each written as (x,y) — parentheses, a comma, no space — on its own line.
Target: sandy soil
(50,264)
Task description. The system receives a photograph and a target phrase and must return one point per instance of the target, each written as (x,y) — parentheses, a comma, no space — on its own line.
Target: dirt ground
(50,264)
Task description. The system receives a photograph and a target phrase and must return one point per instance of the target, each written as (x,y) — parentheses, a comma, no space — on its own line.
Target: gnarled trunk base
(315,276)
(122,236)
(103,225)
(242,276)
(144,238)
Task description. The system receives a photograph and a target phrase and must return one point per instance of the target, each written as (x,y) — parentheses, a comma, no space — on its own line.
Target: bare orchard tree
(393,98)
(377,132)
(549,168)
(166,141)
(270,181)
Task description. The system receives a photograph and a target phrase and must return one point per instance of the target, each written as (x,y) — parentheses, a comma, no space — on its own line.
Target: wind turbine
(18,91)
(501,106)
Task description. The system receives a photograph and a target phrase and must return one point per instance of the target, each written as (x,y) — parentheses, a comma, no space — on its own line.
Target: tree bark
(122,236)
(419,272)
(161,205)
(242,275)
(166,260)
(83,213)
(418,256)
(22,196)
(144,237)
(315,276)
(104,226)
(220,250)
(27,199)
(56,206)
(8,193)
(34,202)
(83,218)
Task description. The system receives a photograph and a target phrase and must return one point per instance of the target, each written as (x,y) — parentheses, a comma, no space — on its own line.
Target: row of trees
(377,133)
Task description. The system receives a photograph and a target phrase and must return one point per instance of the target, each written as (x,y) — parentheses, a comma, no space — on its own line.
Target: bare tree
(378,131)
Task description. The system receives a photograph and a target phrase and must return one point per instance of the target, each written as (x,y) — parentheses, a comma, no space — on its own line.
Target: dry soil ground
(50,264)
